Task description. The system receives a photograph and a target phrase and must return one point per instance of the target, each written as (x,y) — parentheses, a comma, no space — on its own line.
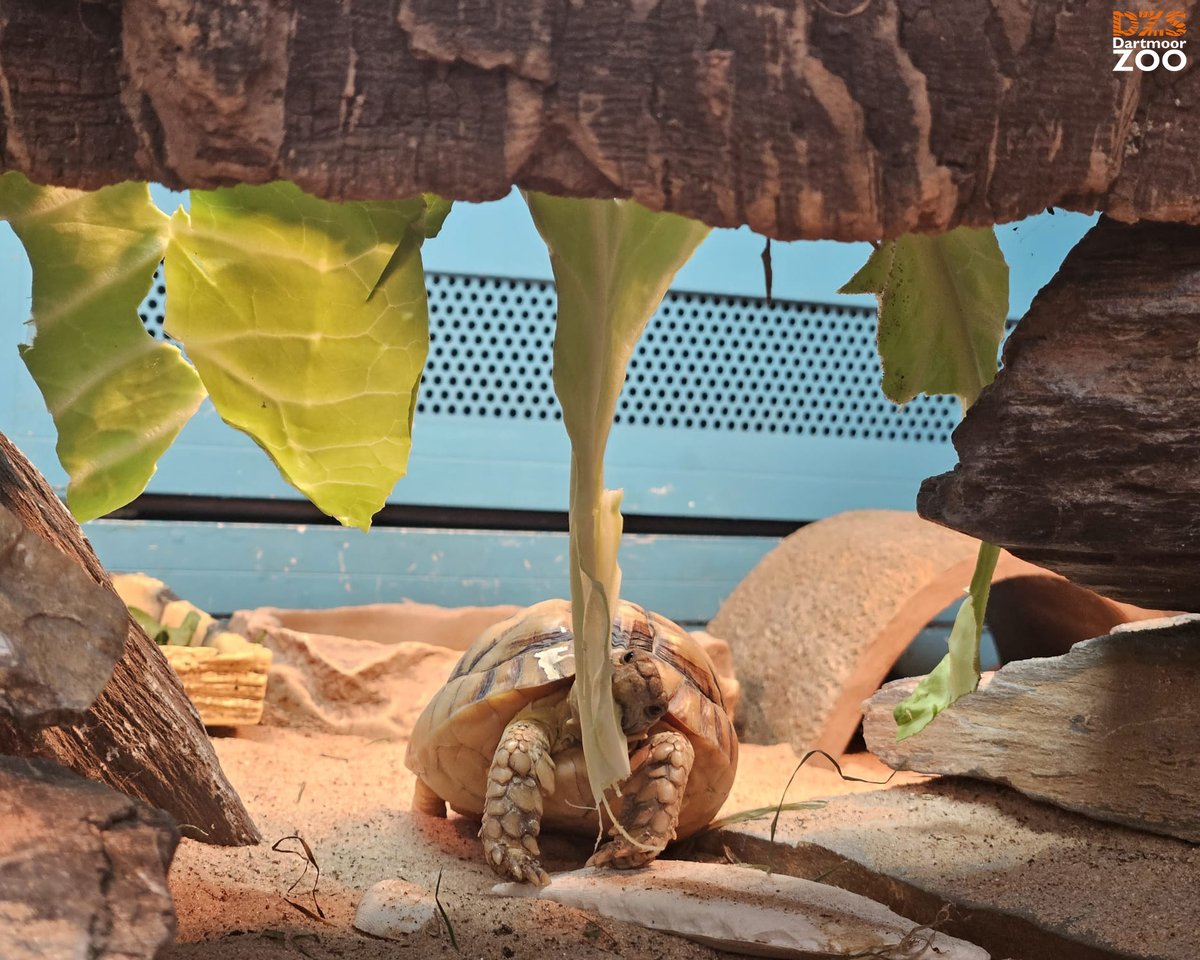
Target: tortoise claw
(623,855)
(514,862)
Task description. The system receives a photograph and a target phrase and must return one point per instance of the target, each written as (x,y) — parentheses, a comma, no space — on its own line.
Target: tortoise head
(639,691)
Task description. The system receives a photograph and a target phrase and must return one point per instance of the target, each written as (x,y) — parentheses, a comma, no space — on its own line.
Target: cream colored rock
(747,911)
(817,624)
(395,909)
(455,628)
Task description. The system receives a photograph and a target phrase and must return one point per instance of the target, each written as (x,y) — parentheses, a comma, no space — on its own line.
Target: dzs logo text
(1147,39)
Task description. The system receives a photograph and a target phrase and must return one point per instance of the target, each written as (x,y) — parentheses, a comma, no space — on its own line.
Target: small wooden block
(228,688)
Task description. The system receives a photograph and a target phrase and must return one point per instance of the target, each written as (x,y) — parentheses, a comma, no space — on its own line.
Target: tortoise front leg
(653,799)
(512,818)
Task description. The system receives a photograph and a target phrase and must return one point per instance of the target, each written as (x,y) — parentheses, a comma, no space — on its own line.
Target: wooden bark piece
(142,736)
(1082,456)
(60,632)
(1108,730)
(226,686)
(841,120)
(1022,879)
(83,869)
(817,624)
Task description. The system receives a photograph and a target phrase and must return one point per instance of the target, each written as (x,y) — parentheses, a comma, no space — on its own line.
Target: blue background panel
(734,409)
(226,566)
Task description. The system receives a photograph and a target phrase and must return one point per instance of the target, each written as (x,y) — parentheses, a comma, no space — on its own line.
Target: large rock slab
(1022,879)
(742,910)
(83,869)
(142,735)
(1081,456)
(60,632)
(817,624)
(1108,729)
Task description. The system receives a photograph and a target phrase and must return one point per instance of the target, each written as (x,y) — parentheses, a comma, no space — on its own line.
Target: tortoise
(500,740)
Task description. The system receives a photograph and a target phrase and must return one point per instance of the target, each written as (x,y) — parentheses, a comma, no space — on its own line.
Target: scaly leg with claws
(653,798)
(512,819)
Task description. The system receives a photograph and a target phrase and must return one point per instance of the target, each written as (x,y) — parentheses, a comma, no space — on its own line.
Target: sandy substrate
(349,798)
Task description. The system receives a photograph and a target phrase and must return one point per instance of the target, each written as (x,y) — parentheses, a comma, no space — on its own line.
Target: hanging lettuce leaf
(437,209)
(943,301)
(118,396)
(958,672)
(613,261)
(308,323)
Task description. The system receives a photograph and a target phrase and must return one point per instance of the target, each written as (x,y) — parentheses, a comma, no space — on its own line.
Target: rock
(1104,371)
(747,911)
(817,624)
(142,735)
(350,686)
(394,909)
(1022,879)
(455,628)
(1108,729)
(365,670)
(83,869)
(374,674)
(60,632)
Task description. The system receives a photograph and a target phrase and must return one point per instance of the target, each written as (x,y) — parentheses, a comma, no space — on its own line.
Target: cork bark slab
(142,736)
(1022,879)
(83,869)
(1082,455)
(1108,730)
(841,120)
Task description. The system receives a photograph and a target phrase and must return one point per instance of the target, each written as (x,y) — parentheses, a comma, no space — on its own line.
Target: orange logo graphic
(1149,23)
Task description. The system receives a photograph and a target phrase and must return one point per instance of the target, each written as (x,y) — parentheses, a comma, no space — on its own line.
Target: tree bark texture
(1082,456)
(142,736)
(839,119)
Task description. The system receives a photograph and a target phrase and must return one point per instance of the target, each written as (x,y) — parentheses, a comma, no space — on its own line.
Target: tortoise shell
(532,655)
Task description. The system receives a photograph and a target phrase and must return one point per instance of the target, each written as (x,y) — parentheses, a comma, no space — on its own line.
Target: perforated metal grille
(153,308)
(704,363)
(708,363)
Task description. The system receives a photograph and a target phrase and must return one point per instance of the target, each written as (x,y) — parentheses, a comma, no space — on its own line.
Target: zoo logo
(1138,36)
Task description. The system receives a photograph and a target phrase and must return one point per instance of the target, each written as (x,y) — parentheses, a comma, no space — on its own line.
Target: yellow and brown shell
(532,655)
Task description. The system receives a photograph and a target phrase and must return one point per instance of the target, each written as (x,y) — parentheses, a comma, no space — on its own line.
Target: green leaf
(943,301)
(180,636)
(118,396)
(437,209)
(308,323)
(613,261)
(958,672)
(154,630)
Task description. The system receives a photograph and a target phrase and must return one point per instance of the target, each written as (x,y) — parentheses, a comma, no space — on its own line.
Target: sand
(349,798)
